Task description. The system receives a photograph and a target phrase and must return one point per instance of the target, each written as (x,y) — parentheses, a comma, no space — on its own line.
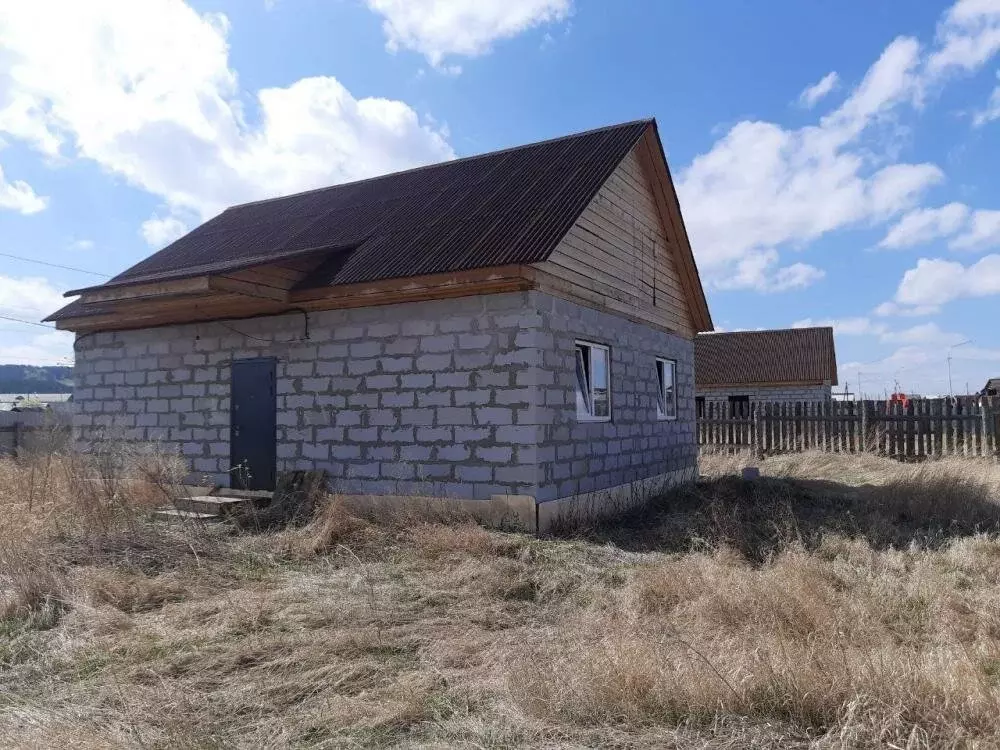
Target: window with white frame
(593,382)
(666,390)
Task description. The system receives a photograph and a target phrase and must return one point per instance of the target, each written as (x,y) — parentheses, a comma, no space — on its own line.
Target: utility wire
(28,322)
(56,265)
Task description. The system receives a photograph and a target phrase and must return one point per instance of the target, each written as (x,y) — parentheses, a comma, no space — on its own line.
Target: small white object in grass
(751,472)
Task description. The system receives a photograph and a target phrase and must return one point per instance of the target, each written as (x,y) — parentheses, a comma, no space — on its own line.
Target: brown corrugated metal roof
(506,207)
(793,355)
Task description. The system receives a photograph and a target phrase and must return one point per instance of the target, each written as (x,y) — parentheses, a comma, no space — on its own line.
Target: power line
(28,322)
(56,265)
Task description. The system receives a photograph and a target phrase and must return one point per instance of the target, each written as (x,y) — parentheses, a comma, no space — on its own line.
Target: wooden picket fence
(965,426)
(31,430)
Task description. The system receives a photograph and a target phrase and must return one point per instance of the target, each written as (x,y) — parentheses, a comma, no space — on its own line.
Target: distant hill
(29,379)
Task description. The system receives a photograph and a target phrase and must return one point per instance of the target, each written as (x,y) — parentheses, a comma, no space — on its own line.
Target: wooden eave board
(223,305)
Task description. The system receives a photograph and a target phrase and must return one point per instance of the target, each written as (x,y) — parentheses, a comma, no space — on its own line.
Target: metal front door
(253,425)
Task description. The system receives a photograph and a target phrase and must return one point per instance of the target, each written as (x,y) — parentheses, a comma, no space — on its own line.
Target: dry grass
(839,602)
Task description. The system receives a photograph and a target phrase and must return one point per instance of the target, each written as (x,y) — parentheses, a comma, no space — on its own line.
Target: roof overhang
(207,269)
(226,300)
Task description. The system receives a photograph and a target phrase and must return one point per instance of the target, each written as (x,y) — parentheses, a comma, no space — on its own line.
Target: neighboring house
(795,364)
(517,323)
(992,388)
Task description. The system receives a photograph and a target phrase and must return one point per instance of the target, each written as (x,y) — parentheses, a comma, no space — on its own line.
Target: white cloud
(145,90)
(967,37)
(982,232)
(161,231)
(924,225)
(795,276)
(82,245)
(28,298)
(32,299)
(891,309)
(929,334)
(811,95)
(900,185)
(20,196)
(917,361)
(441,28)
(991,111)
(54,348)
(969,230)
(762,186)
(858,326)
(923,368)
(925,333)
(892,80)
(937,282)
(758,271)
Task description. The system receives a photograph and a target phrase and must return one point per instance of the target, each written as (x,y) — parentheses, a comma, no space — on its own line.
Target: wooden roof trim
(652,156)
(247,288)
(232,304)
(192,285)
(203,270)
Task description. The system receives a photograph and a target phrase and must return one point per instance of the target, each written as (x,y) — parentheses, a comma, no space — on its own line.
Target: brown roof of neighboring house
(793,355)
(992,387)
(505,207)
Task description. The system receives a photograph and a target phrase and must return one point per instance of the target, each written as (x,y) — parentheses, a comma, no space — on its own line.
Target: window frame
(661,397)
(588,398)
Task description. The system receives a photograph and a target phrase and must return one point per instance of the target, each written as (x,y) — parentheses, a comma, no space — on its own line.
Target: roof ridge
(767,330)
(592,131)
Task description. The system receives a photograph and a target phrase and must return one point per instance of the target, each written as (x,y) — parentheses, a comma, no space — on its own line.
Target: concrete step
(246,494)
(173,514)
(220,506)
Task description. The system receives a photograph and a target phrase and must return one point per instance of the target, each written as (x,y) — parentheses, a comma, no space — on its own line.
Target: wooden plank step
(174,514)
(197,490)
(246,494)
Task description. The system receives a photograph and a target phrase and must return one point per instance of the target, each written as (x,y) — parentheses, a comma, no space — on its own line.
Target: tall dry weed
(854,646)
(837,602)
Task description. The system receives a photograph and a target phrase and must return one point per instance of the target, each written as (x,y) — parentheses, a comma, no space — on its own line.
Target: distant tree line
(32,379)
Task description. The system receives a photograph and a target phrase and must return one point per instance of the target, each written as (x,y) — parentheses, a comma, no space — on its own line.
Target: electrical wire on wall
(305,328)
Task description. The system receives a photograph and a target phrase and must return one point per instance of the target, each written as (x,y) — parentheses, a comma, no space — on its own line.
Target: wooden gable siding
(618,254)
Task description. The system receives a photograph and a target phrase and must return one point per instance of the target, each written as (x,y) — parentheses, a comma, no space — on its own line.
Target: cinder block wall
(468,397)
(581,457)
(774,394)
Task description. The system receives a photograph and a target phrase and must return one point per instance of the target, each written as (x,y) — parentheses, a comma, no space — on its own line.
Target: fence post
(984,440)
(863,406)
(755,440)
(909,430)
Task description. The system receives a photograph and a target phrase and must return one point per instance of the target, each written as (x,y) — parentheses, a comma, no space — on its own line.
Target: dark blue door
(253,425)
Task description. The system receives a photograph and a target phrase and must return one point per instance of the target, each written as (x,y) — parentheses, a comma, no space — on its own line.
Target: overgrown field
(837,602)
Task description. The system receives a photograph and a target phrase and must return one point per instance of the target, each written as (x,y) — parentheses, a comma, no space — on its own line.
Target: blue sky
(836,162)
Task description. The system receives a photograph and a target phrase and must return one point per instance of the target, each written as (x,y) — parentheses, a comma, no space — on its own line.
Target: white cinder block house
(520,322)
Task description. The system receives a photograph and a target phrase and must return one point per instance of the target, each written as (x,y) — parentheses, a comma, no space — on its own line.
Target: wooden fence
(966,426)
(28,430)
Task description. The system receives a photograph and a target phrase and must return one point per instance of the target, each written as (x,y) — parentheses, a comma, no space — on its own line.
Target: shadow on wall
(760,517)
